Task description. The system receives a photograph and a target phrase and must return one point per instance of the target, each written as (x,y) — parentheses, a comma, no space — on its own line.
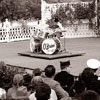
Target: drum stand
(64,44)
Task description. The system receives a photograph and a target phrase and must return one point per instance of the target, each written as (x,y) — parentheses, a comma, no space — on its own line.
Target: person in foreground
(65,79)
(18,91)
(50,73)
(90,95)
(41,91)
(93,64)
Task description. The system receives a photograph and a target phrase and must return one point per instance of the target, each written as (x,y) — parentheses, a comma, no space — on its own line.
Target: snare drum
(50,45)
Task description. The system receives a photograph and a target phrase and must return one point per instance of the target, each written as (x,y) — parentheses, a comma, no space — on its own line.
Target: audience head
(56,20)
(27,81)
(50,71)
(2,64)
(43,92)
(87,75)
(64,65)
(18,80)
(79,87)
(2,94)
(36,81)
(90,95)
(94,64)
(37,72)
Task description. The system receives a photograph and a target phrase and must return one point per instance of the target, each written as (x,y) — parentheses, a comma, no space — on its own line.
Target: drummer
(59,29)
(46,31)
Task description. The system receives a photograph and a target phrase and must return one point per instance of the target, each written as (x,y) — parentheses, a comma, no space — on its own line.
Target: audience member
(27,81)
(2,93)
(77,88)
(90,95)
(93,64)
(43,92)
(51,87)
(5,76)
(50,73)
(90,80)
(18,91)
(87,76)
(65,79)
(37,81)
(37,72)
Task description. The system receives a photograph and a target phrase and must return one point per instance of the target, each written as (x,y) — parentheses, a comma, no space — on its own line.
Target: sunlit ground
(91,46)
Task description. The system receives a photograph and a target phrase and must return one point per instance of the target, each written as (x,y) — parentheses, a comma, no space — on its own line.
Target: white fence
(78,31)
(16,34)
(72,31)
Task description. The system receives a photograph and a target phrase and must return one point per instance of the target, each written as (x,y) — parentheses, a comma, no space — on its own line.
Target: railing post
(7,35)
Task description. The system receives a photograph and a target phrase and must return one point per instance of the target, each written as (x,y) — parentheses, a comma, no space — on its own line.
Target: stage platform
(51,57)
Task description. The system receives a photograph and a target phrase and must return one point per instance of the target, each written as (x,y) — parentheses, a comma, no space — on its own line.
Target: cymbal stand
(64,44)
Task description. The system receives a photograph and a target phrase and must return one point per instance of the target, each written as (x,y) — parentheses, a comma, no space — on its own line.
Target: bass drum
(50,46)
(34,45)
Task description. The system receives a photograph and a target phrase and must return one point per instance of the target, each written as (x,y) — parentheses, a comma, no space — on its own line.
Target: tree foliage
(18,9)
(63,14)
(82,12)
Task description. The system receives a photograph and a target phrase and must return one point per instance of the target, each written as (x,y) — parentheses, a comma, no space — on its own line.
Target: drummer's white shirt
(45,28)
(60,26)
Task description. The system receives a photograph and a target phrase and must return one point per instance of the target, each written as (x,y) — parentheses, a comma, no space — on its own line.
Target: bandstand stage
(53,56)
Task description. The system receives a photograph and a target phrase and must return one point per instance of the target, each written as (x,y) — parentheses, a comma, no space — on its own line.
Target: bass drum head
(49,46)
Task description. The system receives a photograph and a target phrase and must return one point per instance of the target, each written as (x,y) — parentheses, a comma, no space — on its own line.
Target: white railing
(16,34)
(78,31)
(20,33)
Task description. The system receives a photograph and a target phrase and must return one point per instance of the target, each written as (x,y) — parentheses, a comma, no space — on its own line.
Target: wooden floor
(91,46)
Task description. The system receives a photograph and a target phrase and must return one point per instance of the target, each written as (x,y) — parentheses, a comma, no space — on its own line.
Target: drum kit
(49,44)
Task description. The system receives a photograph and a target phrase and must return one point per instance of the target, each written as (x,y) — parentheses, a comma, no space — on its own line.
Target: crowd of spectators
(48,84)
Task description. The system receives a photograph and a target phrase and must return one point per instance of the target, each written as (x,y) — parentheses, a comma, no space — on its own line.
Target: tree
(85,12)
(80,12)
(17,9)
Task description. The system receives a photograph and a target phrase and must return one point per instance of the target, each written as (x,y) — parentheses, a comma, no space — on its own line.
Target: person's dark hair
(27,81)
(37,72)
(56,20)
(90,95)
(79,87)
(87,75)
(95,86)
(43,92)
(50,70)
(94,70)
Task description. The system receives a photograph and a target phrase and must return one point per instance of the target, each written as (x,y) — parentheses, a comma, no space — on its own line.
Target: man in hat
(94,64)
(65,79)
(89,77)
